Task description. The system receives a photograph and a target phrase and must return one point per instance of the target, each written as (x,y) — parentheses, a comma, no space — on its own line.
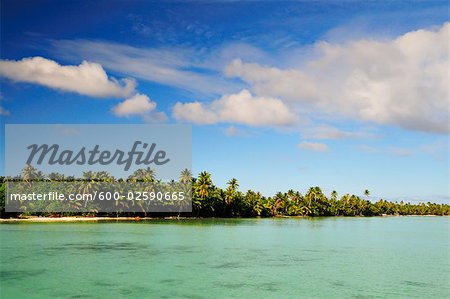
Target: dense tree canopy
(209,200)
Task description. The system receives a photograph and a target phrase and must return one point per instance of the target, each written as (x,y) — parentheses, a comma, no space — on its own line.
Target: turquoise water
(394,257)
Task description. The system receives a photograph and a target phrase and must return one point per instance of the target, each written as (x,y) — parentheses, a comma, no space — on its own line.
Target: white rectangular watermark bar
(98,168)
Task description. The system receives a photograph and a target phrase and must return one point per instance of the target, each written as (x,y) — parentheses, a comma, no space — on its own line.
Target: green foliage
(2,195)
(209,200)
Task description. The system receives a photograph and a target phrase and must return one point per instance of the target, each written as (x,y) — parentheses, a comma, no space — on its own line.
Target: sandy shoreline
(112,219)
(81,219)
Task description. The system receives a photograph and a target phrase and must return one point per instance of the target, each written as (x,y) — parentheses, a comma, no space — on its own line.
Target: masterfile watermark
(52,155)
(100,168)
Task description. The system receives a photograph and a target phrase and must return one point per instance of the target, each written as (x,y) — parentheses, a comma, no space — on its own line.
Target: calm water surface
(395,257)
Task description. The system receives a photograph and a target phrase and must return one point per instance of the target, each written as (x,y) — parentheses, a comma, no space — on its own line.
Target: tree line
(209,200)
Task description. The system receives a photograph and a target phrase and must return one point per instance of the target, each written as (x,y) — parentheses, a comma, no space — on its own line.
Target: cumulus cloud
(242,108)
(288,84)
(136,105)
(88,78)
(140,105)
(401,82)
(313,146)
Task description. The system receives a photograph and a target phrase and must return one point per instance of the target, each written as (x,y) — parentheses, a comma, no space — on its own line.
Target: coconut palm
(54,176)
(334,195)
(88,183)
(28,173)
(143,175)
(40,176)
(201,188)
(185,176)
(203,184)
(231,191)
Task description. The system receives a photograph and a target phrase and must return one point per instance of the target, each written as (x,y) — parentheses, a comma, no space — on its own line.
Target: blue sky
(346,95)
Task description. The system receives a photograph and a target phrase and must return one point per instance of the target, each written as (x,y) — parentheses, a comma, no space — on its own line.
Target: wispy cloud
(369,149)
(313,146)
(182,68)
(438,149)
(399,81)
(392,151)
(66,131)
(401,152)
(4,112)
(329,132)
(234,131)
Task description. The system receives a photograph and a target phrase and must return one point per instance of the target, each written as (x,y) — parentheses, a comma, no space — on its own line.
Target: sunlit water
(394,257)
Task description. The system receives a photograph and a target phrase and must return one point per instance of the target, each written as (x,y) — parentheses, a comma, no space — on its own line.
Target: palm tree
(231,190)
(143,175)
(88,182)
(253,202)
(230,195)
(54,176)
(28,173)
(280,204)
(203,184)
(185,176)
(104,176)
(334,195)
(202,187)
(311,198)
(40,176)
(185,184)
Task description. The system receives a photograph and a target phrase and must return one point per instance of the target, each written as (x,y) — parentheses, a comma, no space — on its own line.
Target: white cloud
(4,112)
(401,82)
(369,149)
(185,68)
(313,146)
(87,78)
(67,131)
(401,152)
(242,108)
(329,132)
(136,105)
(233,131)
(140,105)
(155,117)
(438,149)
(288,84)
(391,81)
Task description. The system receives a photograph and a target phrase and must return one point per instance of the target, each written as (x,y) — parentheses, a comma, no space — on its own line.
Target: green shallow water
(396,257)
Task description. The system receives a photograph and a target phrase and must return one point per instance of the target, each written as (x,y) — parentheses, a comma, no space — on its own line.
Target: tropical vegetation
(209,200)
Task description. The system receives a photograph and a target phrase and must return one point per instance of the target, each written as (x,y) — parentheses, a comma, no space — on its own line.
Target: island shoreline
(76,219)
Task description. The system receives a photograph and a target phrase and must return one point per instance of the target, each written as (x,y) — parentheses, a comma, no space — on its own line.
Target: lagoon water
(392,257)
